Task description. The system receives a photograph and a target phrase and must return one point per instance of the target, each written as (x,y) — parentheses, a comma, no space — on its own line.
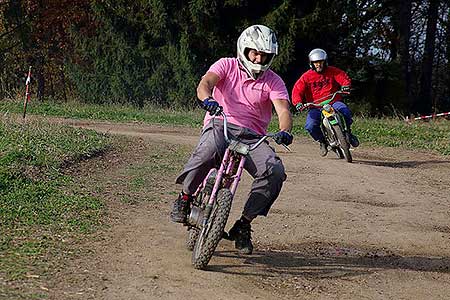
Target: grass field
(389,132)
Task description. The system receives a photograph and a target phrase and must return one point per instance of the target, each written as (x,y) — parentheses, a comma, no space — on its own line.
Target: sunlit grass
(393,132)
(433,135)
(117,113)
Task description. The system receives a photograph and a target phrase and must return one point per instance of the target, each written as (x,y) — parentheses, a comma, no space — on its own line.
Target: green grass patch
(116,113)
(38,205)
(433,135)
(389,132)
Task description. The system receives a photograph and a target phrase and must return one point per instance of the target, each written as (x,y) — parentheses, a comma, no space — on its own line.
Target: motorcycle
(212,200)
(333,126)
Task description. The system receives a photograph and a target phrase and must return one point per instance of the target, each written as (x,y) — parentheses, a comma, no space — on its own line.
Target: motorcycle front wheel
(339,153)
(212,233)
(343,143)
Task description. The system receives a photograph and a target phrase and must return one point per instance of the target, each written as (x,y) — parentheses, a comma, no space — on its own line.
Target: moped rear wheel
(343,143)
(192,238)
(202,198)
(212,233)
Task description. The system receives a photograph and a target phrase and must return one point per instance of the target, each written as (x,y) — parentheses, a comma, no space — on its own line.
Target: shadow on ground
(325,262)
(400,164)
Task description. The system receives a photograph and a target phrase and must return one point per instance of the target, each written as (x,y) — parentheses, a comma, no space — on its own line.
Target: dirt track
(378,228)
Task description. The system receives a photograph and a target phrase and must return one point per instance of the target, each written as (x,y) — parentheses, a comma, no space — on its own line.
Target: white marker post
(27,93)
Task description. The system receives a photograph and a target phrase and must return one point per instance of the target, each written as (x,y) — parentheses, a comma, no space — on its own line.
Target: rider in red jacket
(314,86)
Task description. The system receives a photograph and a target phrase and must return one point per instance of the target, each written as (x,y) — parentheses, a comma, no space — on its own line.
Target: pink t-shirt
(245,101)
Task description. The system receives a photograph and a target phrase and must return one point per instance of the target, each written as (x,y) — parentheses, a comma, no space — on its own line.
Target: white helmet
(316,55)
(261,38)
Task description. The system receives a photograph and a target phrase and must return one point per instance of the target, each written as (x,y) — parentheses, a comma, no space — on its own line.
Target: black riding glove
(283,137)
(211,106)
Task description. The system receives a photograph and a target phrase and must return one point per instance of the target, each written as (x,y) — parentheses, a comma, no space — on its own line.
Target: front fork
(328,120)
(228,176)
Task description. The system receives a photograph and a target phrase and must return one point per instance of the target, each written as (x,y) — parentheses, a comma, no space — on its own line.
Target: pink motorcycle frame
(209,214)
(229,161)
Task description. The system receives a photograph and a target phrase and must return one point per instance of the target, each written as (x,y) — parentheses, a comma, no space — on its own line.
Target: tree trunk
(426,79)
(353,15)
(447,89)
(404,27)
(62,78)
(40,92)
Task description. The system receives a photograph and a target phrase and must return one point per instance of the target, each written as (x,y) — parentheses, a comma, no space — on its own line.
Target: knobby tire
(212,233)
(344,145)
(192,238)
(194,232)
(331,138)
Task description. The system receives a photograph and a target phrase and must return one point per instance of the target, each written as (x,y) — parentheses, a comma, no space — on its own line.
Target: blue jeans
(313,119)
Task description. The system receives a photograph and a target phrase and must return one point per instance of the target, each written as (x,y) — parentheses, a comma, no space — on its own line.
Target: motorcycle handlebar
(322,103)
(262,139)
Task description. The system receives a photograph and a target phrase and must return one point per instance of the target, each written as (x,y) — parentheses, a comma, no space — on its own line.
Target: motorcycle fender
(329,118)
(328,131)
(326,114)
(326,123)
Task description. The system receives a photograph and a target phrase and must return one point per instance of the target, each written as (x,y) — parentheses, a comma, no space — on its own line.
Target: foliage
(139,55)
(154,52)
(34,33)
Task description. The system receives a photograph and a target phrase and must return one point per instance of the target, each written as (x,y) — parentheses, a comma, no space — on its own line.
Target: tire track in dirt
(374,229)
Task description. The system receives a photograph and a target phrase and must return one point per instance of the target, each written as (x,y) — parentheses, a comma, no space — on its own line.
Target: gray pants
(262,164)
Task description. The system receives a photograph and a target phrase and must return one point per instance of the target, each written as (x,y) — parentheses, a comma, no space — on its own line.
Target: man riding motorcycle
(315,84)
(246,89)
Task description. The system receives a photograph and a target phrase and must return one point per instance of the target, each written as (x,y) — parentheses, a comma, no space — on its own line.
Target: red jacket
(315,87)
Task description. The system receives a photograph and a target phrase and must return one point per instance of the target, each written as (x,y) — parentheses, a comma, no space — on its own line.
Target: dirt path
(375,229)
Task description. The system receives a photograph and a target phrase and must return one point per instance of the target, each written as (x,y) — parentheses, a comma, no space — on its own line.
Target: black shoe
(181,208)
(353,140)
(323,149)
(240,233)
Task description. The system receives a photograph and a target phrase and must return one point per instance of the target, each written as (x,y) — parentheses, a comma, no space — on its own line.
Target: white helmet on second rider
(261,38)
(317,55)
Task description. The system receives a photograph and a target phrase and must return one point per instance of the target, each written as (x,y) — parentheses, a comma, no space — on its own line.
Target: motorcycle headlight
(328,108)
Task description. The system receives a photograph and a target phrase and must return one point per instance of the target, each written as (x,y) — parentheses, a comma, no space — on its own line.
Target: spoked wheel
(339,153)
(211,234)
(200,202)
(192,238)
(332,140)
(344,145)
